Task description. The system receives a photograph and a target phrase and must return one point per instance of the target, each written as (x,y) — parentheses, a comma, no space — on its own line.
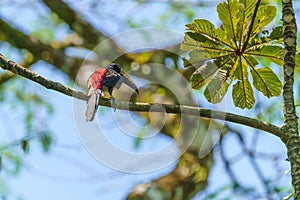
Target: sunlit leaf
(237,69)
(266,81)
(242,94)
(270,52)
(265,15)
(207,29)
(239,44)
(229,14)
(248,8)
(200,76)
(195,41)
(217,87)
(198,56)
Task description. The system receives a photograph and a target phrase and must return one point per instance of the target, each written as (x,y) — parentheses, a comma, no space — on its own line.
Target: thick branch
(39,50)
(141,107)
(290,127)
(91,36)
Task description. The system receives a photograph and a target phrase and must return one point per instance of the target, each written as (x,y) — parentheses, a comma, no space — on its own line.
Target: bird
(112,76)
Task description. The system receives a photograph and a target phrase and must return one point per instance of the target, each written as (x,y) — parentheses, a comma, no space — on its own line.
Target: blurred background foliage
(54,37)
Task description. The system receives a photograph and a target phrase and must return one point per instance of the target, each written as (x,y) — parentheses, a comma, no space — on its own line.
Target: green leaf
(217,87)
(229,14)
(248,7)
(197,57)
(13,161)
(266,81)
(207,29)
(46,140)
(237,69)
(139,138)
(242,94)
(241,66)
(195,41)
(265,15)
(25,146)
(276,33)
(202,74)
(297,59)
(224,47)
(271,52)
(247,11)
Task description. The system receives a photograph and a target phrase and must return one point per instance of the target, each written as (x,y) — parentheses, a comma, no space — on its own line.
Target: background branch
(142,107)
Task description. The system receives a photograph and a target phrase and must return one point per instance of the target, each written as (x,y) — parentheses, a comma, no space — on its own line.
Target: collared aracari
(111,77)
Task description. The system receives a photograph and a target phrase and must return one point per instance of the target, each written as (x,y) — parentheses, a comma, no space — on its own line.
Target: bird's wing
(128,81)
(112,79)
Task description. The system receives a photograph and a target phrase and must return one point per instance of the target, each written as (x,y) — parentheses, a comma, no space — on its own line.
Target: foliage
(230,52)
(31,107)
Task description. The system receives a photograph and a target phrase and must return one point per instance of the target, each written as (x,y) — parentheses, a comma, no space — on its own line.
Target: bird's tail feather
(92,103)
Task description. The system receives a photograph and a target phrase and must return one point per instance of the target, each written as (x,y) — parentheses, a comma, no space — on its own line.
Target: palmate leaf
(198,57)
(203,74)
(265,15)
(217,87)
(235,47)
(240,69)
(266,81)
(242,94)
(207,29)
(271,52)
(248,8)
(242,91)
(229,14)
(194,41)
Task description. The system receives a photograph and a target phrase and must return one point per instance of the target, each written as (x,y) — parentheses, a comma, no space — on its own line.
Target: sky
(70,171)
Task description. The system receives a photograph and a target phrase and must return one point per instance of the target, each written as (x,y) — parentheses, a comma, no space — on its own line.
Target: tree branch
(40,50)
(90,35)
(141,107)
(290,128)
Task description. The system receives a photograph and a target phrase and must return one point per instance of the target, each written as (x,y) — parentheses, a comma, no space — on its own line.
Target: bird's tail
(92,103)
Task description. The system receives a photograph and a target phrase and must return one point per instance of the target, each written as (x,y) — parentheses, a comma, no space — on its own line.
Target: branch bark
(142,107)
(290,128)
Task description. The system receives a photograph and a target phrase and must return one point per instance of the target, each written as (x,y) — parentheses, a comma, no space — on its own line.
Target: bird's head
(115,67)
